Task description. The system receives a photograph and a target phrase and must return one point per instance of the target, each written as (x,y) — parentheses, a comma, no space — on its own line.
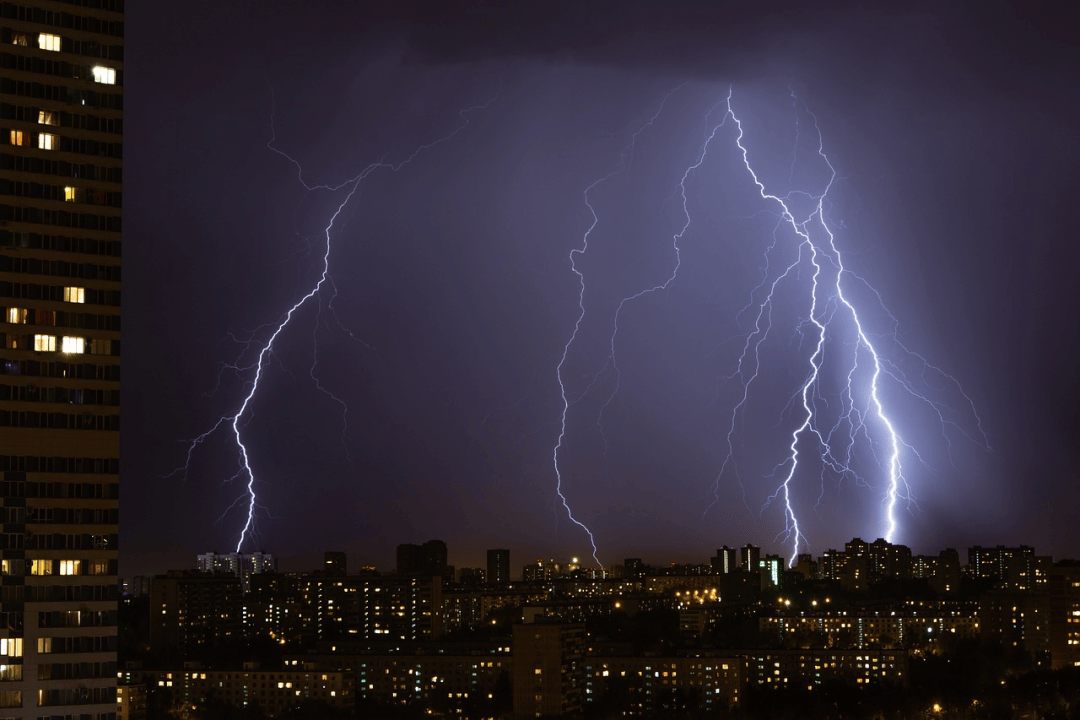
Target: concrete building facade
(61,124)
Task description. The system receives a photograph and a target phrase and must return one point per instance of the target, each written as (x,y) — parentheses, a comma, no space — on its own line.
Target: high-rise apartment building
(751,558)
(549,669)
(427,559)
(498,566)
(724,561)
(61,115)
(192,612)
(1015,568)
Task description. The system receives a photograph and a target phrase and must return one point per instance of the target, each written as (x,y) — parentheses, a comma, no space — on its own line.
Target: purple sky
(953,138)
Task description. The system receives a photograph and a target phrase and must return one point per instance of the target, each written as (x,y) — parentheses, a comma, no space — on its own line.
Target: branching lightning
(628,155)
(839,411)
(265,349)
(830,315)
(833,423)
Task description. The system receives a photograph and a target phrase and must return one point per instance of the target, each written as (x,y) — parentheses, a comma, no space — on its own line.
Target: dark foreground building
(61,109)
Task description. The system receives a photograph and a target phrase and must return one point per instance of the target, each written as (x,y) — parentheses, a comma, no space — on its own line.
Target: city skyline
(724,558)
(453,278)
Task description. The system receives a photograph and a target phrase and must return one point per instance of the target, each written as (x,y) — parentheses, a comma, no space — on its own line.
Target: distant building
(398,608)
(291,607)
(889,561)
(1017,620)
(1064,588)
(472,577)
(445,675)
(1015,568)
(771,567)
(549,669)
(193,611)
(943,572)
(751,558)
(130,702)
(542,570)
(740,586)
(807,668)
(725,561)
(242,565)
(428,559)
(275,692)
(831,564)
(806,566)
(646,686)
(909,625)
(498,567)
(138,586)
(855,577)
(335,563)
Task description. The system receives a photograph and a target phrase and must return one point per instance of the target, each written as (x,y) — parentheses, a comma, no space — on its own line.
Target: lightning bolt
(242,415)
(575,253)
(830,312)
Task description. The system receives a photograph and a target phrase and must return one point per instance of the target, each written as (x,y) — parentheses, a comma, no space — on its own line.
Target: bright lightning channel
(238,419)
(817,245)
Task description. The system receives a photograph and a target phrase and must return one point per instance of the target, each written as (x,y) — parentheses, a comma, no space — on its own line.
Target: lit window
(18,137)
(11,647)
(41,567)
(45,343)
(74,294)
(16,315)
(70,193)
(47,141)
(20,38)
(104,75)
(48,41)
(48,117)
(73,345)
(69,567)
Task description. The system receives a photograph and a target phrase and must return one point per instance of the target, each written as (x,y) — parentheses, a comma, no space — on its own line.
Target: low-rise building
(274,691)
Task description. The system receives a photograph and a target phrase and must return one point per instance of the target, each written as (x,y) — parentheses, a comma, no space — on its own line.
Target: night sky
(451,296)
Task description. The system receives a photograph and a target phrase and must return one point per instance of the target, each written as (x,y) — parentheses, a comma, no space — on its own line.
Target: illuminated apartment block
(810,668)
(399,608)
(1018,620)
(648,685)
(498,567)
(274,692)
(549,670)
(242,565)
(911,625)
(61,110)
(193,613)
(1064,588)
(443,680)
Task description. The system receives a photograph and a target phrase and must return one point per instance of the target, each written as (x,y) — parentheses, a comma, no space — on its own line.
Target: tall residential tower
(61,110)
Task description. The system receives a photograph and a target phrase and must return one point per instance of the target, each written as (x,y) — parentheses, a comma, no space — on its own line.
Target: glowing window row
(45,141)
(72,294)
(66,567)
(45,41)
(68,344)
(50,42)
